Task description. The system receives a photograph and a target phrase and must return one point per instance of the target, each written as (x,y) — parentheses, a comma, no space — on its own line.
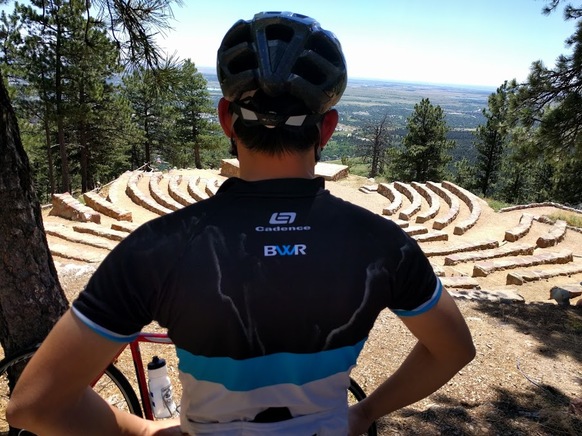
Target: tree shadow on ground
(538,409)
(558,328)
(510,413)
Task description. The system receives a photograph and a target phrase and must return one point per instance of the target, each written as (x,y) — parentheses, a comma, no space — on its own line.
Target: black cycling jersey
(268,289)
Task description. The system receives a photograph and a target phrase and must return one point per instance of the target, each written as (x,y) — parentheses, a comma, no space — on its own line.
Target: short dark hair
(277,140)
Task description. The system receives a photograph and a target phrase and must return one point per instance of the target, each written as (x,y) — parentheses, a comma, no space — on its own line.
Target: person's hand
(167,427)
(358,422)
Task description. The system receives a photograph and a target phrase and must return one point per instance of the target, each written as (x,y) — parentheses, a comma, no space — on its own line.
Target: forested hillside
(85,118)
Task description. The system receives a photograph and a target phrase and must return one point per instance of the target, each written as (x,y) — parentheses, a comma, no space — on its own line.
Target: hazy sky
(471,42)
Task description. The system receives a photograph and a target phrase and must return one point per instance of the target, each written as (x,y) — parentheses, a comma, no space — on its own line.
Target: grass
(574,220)
(496,205)
(358,168)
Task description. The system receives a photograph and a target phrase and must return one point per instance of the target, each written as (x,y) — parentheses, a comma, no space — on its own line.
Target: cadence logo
(279,218)
(285,250)
(280,223)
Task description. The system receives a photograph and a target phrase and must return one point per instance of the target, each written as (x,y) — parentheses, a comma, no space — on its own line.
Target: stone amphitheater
(515,255)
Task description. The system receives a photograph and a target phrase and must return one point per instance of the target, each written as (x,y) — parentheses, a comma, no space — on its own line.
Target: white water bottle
(160,388)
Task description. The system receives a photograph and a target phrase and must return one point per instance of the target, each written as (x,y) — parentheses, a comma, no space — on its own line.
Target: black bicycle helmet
(281,64)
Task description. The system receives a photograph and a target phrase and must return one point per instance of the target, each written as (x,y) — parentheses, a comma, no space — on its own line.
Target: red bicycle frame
(156,338)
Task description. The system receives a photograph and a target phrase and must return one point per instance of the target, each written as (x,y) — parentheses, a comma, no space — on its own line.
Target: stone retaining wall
(413,196)
(388,191)
(472,202)
(140,198)
(521,229)
(432,200)
(452,201)
(100,204)
(66,206)
(159,196)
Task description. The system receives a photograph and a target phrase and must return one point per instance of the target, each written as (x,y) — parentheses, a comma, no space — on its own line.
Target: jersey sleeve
(416,288)
(122,295)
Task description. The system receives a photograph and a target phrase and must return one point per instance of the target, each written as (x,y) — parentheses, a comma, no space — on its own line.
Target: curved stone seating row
(507,250)
(212,186)
(368,189)
(461,247)
(493,296)
(160,197)
(64,232)
(388,191)
(399,223)
(176,193)
(472,201)
(451,200)
(98,230)
(431,198)
(521,277)
(436,235)
(413,196)
(139,198)
(554,236)
(75,254)
(395,197)
(460,282)
(193,189)
(68,207)
(124,227)
(521,229)
(101,205)
(415,230)
(536,205)
(117,187)
(483,269)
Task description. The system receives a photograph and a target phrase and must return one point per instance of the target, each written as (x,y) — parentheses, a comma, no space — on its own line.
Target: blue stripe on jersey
(101,331)
(273,369)
(424,307)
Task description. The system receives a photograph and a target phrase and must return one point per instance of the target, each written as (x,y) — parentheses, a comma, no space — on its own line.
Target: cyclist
(270,288)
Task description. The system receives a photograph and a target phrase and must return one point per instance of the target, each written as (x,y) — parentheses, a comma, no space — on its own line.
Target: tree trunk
(197,158)
(47,134)
(83,144)
(65,178)
(147,148)
(31,298)
(49,154)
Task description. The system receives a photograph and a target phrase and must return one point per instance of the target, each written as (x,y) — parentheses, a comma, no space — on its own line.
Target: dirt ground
(527,376)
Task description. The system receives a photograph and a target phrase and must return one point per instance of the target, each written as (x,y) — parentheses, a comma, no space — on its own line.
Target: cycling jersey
(268,289)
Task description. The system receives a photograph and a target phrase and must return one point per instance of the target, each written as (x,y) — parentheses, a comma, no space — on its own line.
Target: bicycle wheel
(355,394)
(112,386)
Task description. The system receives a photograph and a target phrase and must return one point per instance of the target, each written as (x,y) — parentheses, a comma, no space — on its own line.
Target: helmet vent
(247,60)
(279,32)
(308,70)
(320,44)
(240,33)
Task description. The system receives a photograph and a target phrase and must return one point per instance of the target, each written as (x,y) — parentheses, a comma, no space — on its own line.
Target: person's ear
(225,117)
(328,125)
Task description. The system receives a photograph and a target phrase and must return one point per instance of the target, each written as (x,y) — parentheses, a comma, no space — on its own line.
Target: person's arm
(52,395)
(444,347)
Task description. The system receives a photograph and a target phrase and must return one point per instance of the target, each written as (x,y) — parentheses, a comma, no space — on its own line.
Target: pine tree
(491,139)
(151,93)
(29,286)
(424,156)
(549,106)
(194,106)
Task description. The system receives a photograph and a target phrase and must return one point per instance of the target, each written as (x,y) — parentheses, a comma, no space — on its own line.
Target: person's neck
(256,166)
